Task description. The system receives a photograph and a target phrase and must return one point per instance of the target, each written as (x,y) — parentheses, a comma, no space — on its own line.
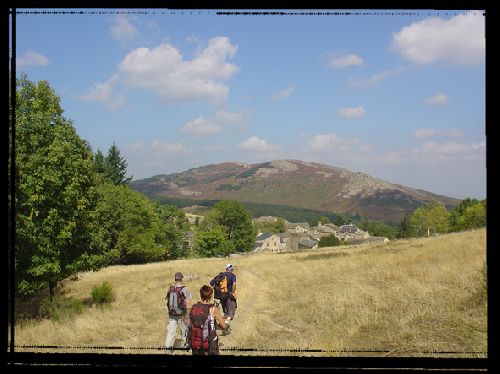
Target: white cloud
(453,133)
(135,147)
(377,77)
(164,71)
(284,93)
(451,150)
(104,93)
(424,133)
(352,112)
(221,120)
(201,126)
(341,61)
(122,28)
(160,147)
(255,144)
(459,40)
(31,58)
(439,99)
(330,142)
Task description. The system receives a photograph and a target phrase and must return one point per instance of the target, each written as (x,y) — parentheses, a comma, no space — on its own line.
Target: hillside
(414,297)
(293,183)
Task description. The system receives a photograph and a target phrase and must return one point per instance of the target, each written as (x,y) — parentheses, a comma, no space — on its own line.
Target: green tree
(405,226)
(433,218)
(329,241)
(458,212)
(55,193)
(279,225)
(324,220)
(473,217)
(214,242)
(173,230)
(235,222)
(116,166)
(130,225)
(99,163)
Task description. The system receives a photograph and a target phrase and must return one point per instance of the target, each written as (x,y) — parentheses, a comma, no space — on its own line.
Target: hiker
(224,286)
(178,304)
(204,316)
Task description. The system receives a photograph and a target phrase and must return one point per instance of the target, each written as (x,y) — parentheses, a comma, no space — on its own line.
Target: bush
(60,308)
(329,241)
(102,294)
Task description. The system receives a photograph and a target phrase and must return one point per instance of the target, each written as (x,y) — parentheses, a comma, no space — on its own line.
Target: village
(301,236)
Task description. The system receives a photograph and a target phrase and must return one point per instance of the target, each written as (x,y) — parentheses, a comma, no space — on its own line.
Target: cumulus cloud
(451,150)
(255,144)
(164,71)
(31,58)
(122,28)
(222,119)
(424,133)
(284,93)
(177,147)
(340,61)
(439,99)
(104,93)
(332,141)
(377,77)
(356,112)
(453,133)
(459,40)
(135,146)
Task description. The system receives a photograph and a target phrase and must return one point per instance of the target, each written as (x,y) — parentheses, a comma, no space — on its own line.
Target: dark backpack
(199,329)
(221,286)
(176,301)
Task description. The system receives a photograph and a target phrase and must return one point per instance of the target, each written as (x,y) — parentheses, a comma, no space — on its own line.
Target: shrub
(102,294)
(60,308)
(329,241)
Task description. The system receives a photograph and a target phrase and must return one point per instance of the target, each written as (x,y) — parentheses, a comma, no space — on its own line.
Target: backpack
(221,286)
(200,327)
(176,301)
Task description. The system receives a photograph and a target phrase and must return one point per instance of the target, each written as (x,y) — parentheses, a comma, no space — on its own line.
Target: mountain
(294,183)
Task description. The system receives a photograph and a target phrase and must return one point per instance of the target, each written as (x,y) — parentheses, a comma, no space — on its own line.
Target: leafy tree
(324,220)
(279,225)
(329,241)
(234,221)
(173,229)
(99,163)
(433,218)
(214,242)
(405,226)
(458,212)
(116,166)
(473,217)
(55,193)
(130,225)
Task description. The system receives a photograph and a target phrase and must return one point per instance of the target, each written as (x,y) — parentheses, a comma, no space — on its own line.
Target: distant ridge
(293,183)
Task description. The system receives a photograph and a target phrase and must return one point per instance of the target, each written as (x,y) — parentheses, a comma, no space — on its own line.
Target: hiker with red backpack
(178,305)
(204,316)
(224,285)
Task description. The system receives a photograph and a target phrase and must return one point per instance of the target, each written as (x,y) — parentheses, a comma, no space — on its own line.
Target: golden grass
(404,298)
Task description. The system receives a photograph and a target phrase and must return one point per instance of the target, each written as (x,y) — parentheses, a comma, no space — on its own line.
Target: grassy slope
(406,298)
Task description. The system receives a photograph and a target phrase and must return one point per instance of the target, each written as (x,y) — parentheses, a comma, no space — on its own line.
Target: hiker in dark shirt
(228,302)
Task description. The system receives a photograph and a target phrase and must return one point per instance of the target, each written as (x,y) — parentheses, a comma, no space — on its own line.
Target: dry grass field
(415,298)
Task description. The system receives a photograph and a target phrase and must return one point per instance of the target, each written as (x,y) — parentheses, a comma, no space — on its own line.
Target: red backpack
(200,327)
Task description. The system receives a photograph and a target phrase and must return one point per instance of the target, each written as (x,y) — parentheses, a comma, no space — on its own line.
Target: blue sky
(400,97)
